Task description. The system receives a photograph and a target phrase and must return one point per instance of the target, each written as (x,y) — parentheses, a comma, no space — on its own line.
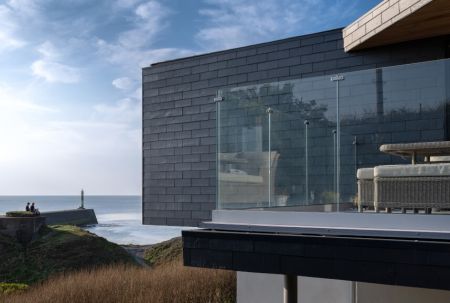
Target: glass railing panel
(283,144)
(243,149)
(399,104)
(304,170)
(358,93)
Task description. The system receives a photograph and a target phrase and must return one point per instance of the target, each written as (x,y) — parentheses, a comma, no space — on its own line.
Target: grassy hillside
(164,252)
(58,249)
(167,281)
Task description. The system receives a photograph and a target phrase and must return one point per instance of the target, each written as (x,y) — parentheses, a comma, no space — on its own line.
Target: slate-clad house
(260,146)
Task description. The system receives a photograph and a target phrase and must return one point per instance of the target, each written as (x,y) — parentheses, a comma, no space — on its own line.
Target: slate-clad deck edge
(405,262)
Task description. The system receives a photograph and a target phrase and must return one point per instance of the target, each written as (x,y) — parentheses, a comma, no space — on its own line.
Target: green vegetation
(73,265)
(9,288)
(164,252)
(167,281)
(19,213)
(58,249)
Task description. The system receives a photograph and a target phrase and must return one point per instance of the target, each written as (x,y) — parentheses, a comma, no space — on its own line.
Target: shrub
(328,197)
(9,288)
(20,214)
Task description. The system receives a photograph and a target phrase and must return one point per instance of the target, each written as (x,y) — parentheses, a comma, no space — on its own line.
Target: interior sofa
(244,179)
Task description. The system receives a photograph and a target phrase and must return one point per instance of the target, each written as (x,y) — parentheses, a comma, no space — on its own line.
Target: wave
(119,217)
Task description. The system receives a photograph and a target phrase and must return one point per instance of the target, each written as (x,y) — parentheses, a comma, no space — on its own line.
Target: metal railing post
(337,79)
(270,112)
(306,163)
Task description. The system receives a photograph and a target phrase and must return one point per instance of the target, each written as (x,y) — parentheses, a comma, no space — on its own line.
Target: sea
(119,217)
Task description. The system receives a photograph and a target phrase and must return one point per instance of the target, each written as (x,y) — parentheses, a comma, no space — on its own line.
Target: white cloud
(126,3)
(232,23)
(50,69)
(27,8)
(8,28)
(151,11)
(134,48)
(123,83)
(127,110)
(132,59)
(150,19)
(48,50)
(8,42)
(54,72)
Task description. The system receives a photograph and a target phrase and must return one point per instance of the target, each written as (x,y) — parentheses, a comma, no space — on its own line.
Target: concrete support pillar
(290,289)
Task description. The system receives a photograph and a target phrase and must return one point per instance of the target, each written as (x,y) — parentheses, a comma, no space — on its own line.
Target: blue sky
(70,77)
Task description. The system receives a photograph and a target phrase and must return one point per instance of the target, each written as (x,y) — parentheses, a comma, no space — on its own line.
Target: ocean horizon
(119,217)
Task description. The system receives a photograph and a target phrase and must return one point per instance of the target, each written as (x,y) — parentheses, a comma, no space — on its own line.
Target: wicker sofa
(421,186)
(365,188)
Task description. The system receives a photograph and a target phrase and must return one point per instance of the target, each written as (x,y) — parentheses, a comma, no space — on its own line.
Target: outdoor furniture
(244,178)
(420,186)
(413,150)
(440,159)
(365,188)
(412,186)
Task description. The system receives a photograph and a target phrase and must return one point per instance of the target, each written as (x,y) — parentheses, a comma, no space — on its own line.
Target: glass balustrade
(299,143)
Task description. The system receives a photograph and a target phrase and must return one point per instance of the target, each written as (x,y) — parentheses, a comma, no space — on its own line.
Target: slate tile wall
(179,115)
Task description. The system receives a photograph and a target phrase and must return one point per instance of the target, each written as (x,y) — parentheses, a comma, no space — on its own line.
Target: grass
(9,288)
(58,249)
(20,213)
(68,264)
(168,283)
(164,252)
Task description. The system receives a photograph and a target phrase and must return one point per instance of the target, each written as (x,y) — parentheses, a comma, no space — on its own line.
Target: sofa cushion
(229,177)
(439,159)
(410,170)
(365,173)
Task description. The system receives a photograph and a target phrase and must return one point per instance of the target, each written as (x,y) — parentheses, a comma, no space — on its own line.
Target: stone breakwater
(77,217)
(24,229)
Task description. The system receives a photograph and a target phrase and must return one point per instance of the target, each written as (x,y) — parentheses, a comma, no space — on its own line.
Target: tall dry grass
(171,282)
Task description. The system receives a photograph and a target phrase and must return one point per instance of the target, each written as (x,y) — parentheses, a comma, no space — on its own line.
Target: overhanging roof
(394,21)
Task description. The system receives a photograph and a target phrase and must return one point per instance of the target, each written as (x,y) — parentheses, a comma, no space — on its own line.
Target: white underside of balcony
(417,226)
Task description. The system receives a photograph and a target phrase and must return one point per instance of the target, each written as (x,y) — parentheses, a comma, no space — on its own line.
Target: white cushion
(227,177)
(410,170)
(439,159)
(365,173)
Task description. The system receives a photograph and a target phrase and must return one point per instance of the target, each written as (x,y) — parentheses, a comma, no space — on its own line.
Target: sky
(70,77)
